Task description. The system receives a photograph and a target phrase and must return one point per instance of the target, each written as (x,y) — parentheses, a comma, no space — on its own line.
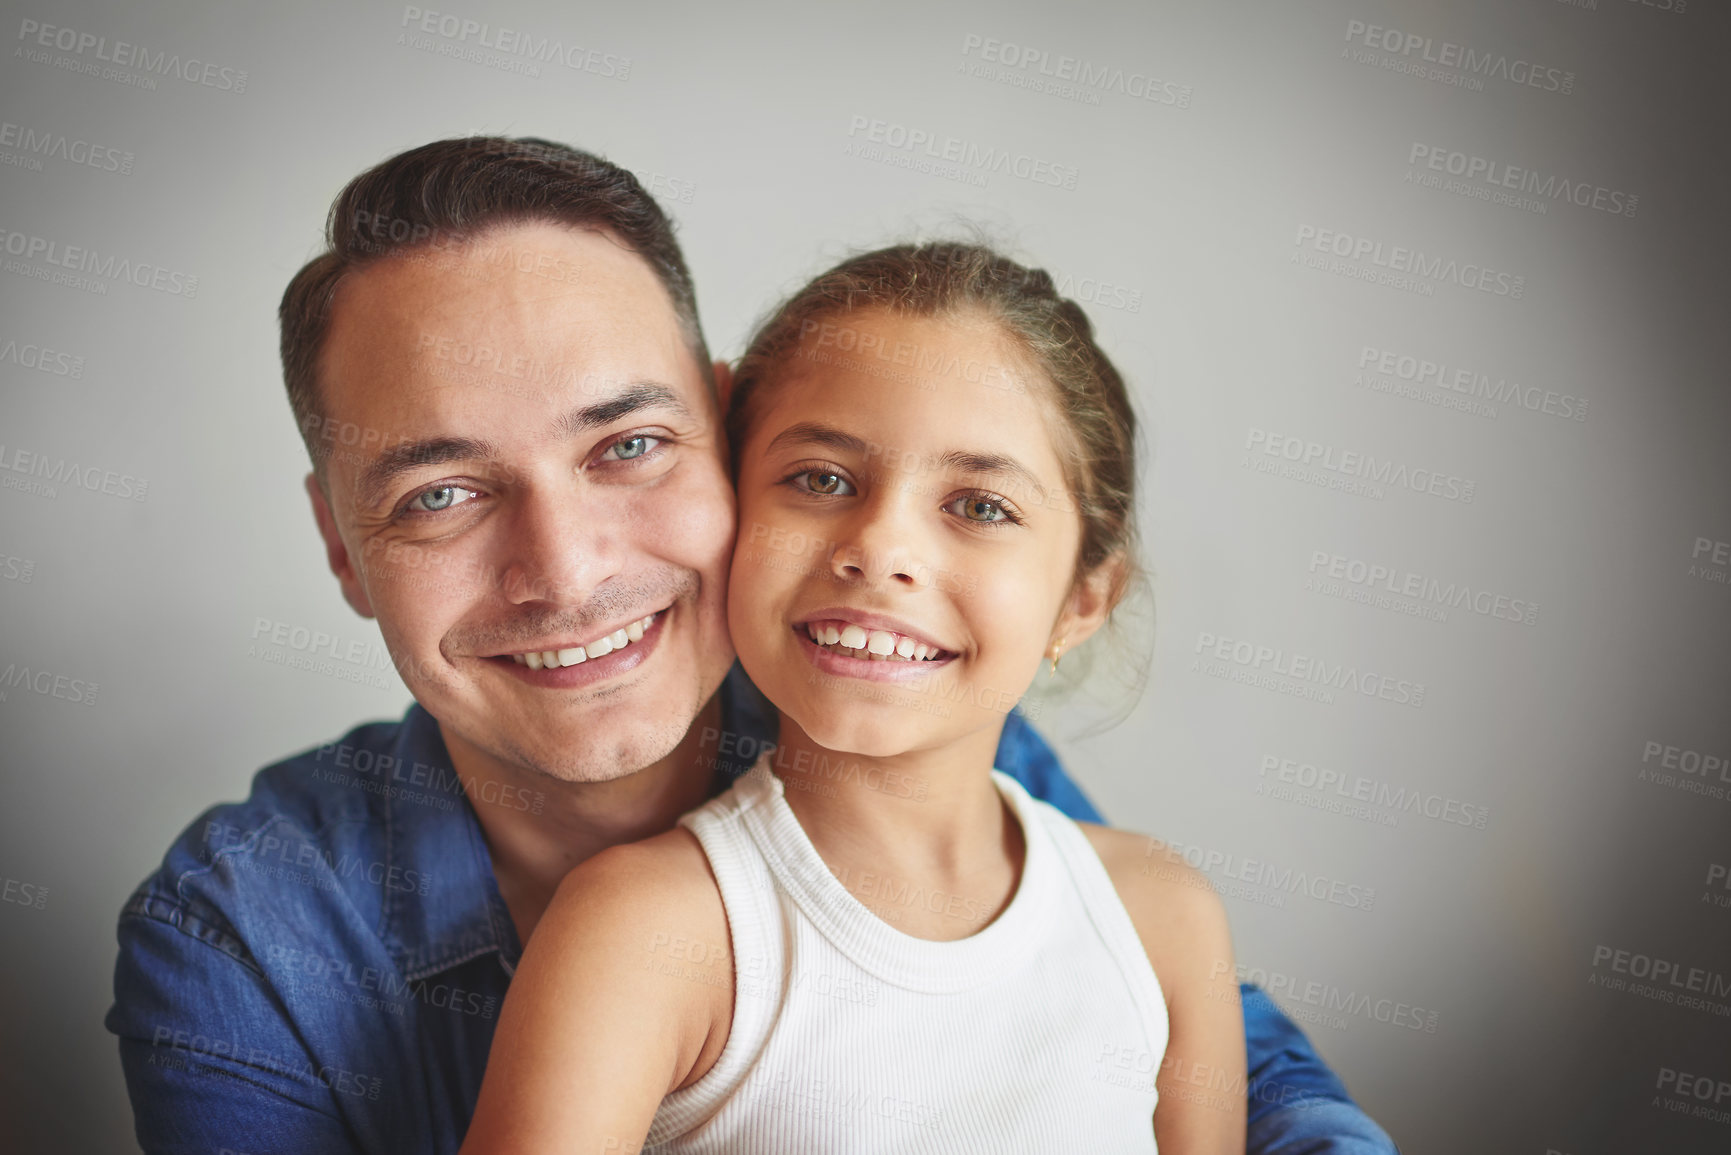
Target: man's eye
(627,448)
(439,498)
(824,482)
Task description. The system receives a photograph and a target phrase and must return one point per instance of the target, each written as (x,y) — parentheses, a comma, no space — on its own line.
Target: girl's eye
(824,482)
(627,448)
(439,498)
(982,510)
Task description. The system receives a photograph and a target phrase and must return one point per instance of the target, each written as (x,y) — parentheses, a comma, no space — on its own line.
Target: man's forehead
(523,335)
(544,277)
(529,310)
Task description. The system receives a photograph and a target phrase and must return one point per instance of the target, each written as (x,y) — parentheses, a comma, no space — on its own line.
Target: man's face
(525,459)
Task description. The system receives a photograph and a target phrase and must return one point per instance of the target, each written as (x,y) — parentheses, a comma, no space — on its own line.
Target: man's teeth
(576,655)
(872,645)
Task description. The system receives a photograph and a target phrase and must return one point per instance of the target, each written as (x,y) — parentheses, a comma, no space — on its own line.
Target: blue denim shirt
(320,967)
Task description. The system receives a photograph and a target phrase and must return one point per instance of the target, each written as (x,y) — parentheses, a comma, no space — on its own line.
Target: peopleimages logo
(1435,158)
(1302,675)
(47,684)
(33,36)
(1356,471)
(1419,374)
(1416,51)
(1261,874)
(1378,578)
(29,355)
(1710,560)
(1372,795)
(1691,771)
(1401,267)
(513,44)
(925,150)
(1660,980)
(86,264)
(1328,998)
(44,473)
(33,146)
(1070,77)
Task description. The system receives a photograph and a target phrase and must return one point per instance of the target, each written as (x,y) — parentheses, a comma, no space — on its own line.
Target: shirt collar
(450,910)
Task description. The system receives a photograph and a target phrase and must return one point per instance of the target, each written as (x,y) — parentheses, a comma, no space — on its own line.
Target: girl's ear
(1091,600)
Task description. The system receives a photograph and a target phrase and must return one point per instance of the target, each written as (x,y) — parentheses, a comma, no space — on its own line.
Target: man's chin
(592,758)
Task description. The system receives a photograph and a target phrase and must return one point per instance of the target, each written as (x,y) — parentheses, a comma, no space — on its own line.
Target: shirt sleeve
(212,1062)
(1298,1106)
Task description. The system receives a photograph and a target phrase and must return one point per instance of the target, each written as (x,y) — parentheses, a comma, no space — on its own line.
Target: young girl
(874,941)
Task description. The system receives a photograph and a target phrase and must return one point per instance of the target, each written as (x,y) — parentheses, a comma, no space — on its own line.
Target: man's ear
(336,553)
(1091,600)
(723,385)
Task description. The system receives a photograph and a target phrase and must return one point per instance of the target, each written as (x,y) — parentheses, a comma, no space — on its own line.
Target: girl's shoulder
(645,921)
(659,886)
(1173,906)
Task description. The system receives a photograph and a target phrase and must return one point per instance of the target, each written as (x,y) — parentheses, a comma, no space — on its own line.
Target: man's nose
(558,551)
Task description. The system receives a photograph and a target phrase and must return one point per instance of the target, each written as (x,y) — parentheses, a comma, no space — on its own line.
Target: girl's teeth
(870,645)
(577,655)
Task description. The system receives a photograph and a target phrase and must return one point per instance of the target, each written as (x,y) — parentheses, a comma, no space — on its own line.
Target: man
(519,471)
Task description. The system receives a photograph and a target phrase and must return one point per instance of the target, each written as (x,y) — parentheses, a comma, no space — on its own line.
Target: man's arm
(1297,1105)
(211,1061)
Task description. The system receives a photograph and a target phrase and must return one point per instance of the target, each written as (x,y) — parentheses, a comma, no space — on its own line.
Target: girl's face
(906,539)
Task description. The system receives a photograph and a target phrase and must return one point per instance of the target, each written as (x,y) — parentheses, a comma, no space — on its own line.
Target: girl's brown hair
(950,278)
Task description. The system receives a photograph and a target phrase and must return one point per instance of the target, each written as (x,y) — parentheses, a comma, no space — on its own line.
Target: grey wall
(1254,239)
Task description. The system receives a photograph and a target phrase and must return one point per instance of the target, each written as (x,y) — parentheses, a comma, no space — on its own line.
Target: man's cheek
(417,594)
(692,524)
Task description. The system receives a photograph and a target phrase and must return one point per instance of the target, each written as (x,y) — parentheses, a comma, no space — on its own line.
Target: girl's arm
(1202,1082)
(624,993)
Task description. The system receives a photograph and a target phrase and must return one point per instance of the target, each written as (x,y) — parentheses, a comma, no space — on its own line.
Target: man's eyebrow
(997,463)
(813,433)
(640,395)
(376,479)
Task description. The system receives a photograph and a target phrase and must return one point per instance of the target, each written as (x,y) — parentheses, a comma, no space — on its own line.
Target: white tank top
(1042,1032)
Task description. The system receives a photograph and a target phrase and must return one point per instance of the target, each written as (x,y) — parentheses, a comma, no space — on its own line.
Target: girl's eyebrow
(816,433)
(994,463)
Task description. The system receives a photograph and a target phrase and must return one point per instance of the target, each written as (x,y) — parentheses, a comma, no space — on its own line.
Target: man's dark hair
(439,196)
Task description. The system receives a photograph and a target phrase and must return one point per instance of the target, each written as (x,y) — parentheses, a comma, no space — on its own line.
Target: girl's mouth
(856,641)
(851,649)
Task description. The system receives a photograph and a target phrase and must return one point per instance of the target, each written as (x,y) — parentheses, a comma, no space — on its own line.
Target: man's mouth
(606,644)
(853,640)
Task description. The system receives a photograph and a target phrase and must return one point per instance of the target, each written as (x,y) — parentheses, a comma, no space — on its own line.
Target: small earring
(1057,652)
